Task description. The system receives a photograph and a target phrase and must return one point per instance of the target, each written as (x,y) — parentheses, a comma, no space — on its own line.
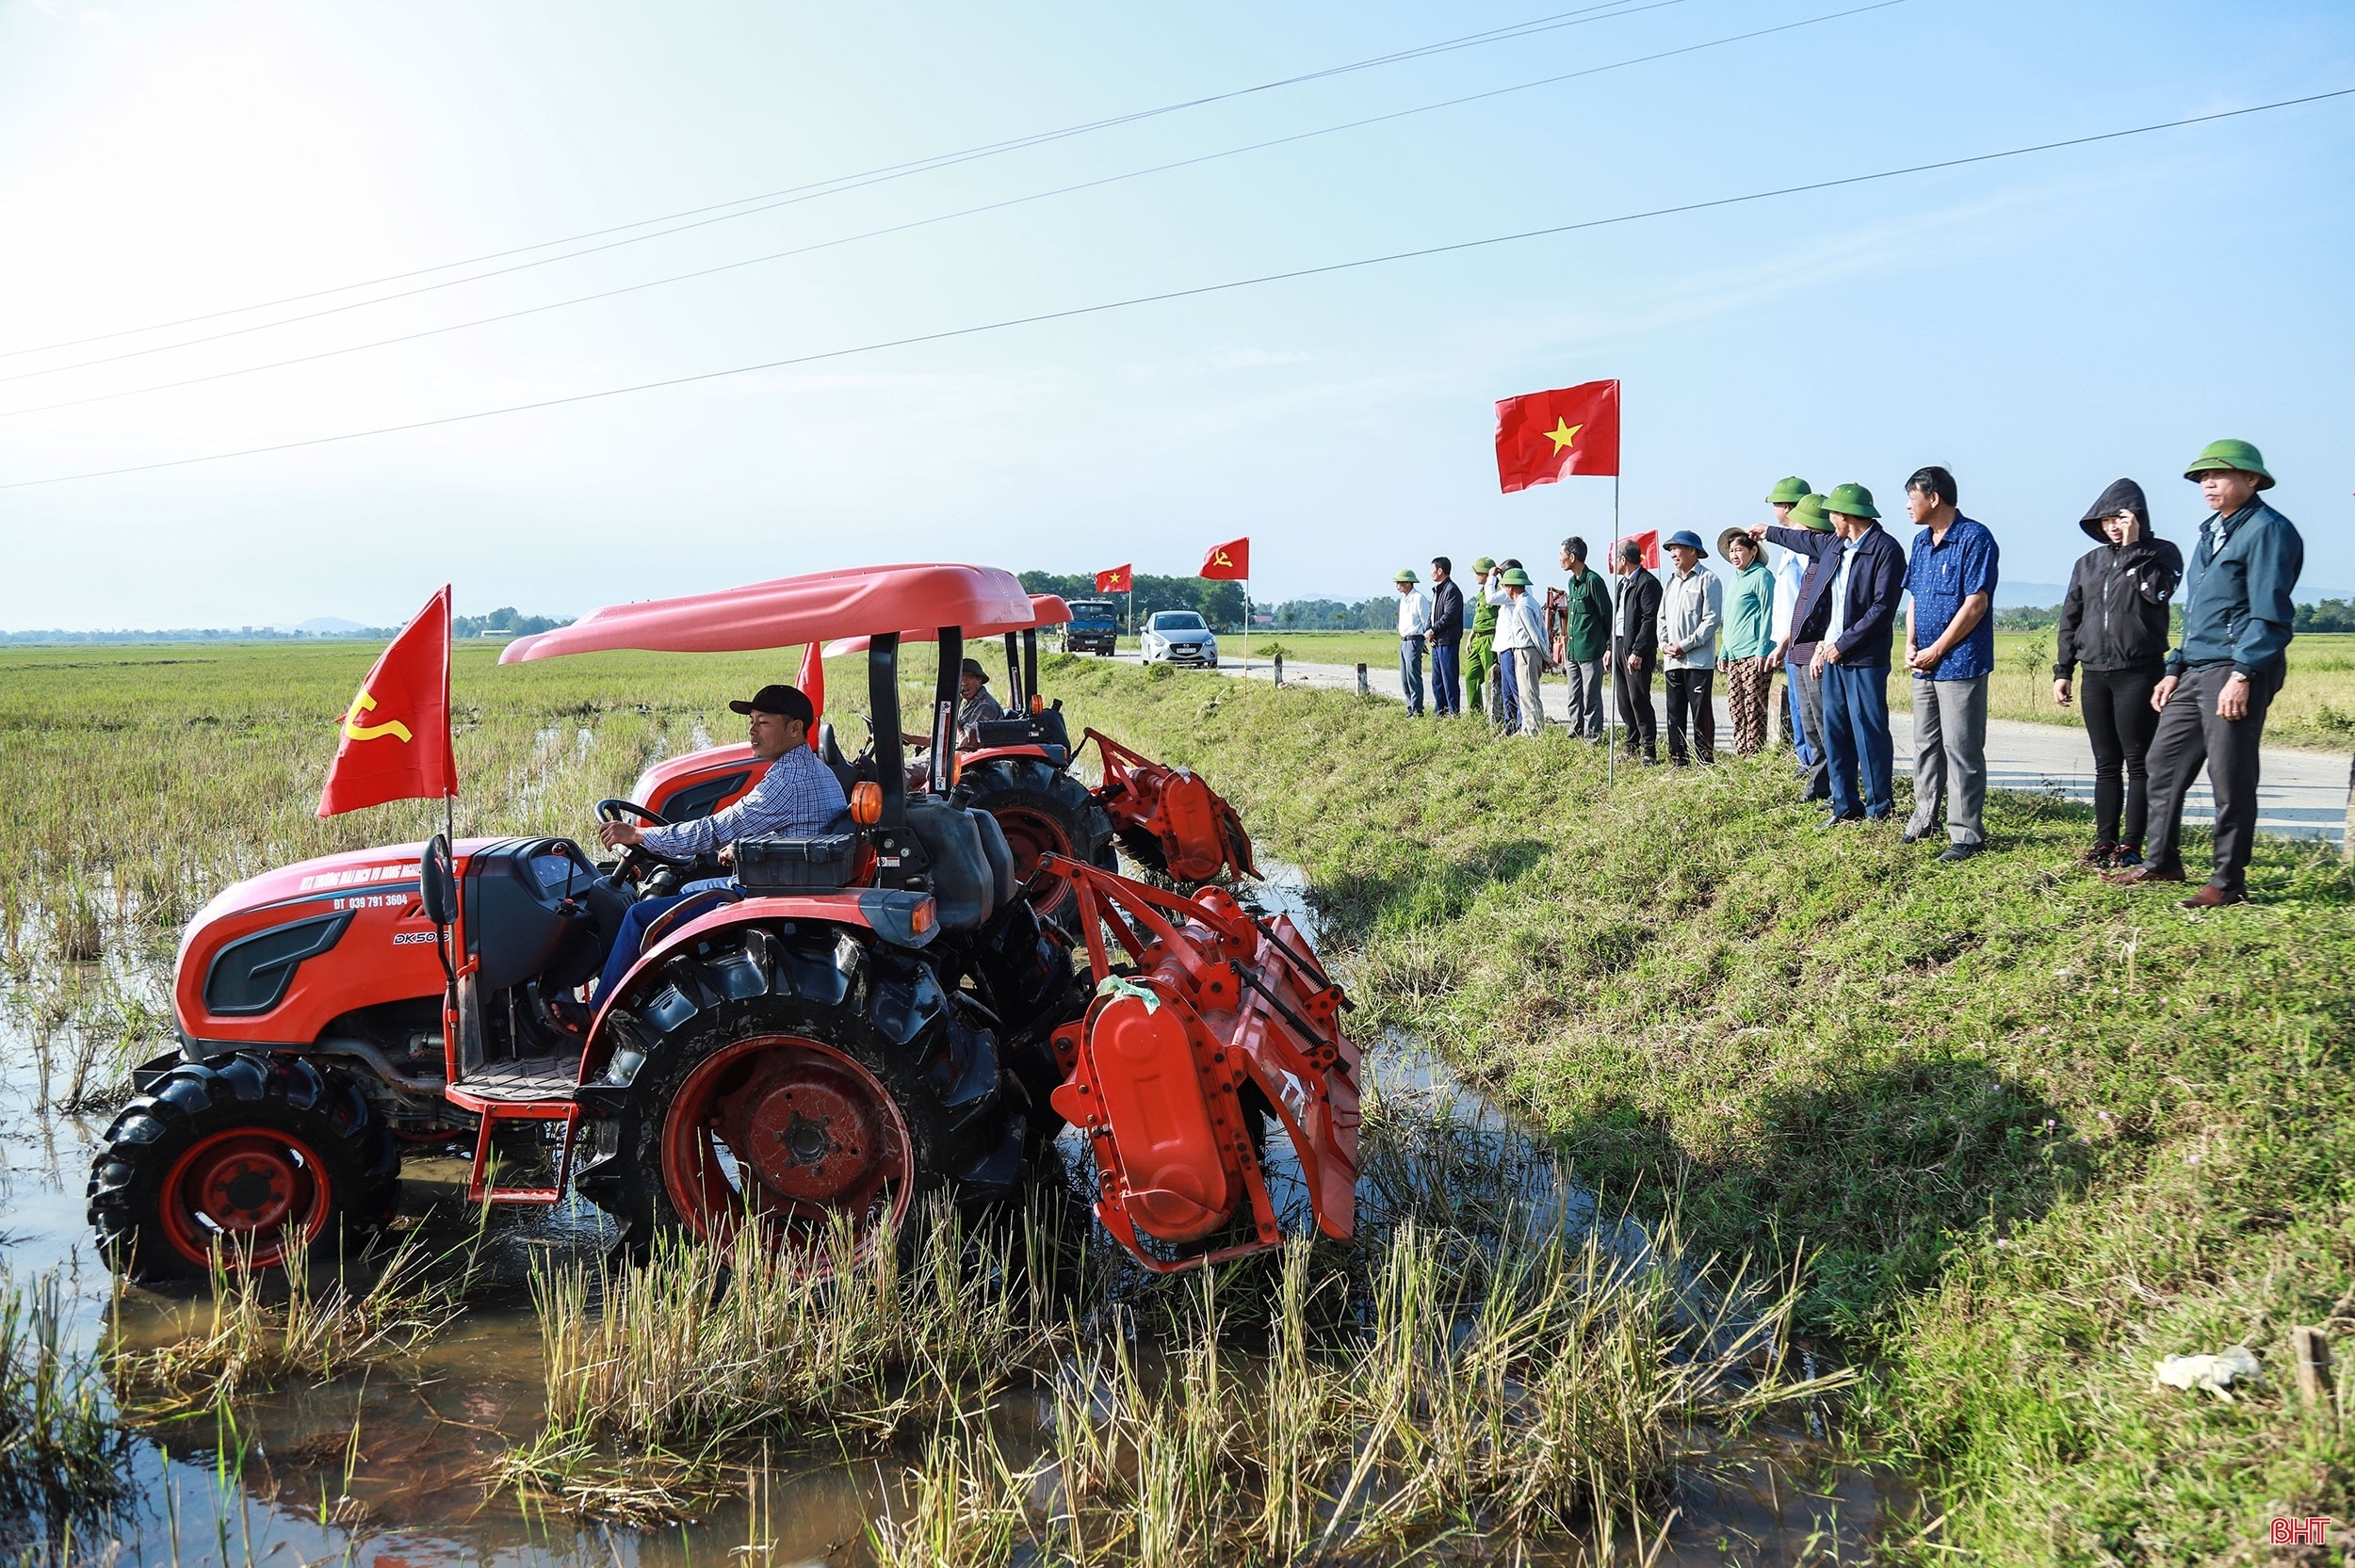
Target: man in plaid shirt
(796,799)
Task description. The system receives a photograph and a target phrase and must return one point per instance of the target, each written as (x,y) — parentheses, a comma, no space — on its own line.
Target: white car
(1179,636)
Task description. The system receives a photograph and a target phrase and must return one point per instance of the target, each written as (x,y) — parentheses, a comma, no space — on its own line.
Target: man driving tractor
(797,797)
(974,704)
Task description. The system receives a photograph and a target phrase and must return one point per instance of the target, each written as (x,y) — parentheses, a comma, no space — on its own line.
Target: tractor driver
(797,797)
(975,705)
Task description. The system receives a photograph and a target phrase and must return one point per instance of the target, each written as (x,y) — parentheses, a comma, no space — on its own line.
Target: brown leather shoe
(2142,874)
(2213,897)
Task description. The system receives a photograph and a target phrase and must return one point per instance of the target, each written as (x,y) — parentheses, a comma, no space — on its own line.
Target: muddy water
(389,1467)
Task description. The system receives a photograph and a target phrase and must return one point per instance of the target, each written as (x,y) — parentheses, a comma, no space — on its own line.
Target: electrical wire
(1196,292)
(925,222)
(832,185)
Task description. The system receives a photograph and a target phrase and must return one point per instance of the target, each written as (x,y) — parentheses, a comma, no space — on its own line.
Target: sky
(2041,325)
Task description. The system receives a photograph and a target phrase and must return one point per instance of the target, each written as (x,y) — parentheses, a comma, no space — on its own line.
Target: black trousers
(1631,691)
(1689,708)
(2190,734)
(2121,721)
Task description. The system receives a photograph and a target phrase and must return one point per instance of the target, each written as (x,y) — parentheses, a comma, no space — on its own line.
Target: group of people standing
(1826,614)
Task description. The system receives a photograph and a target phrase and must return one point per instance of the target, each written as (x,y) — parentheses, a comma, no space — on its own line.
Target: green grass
(2033,1131)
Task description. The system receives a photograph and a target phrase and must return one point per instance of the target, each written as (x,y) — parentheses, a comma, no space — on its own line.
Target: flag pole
(1610,730)
(1246,628)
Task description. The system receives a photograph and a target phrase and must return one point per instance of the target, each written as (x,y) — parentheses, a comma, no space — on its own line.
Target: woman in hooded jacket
(2115,623)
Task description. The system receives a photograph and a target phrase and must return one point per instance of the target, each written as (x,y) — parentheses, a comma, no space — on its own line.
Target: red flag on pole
(1229,562)
(1544,435)
(812,680)
(395,734)
(1647,541)
(1120,579)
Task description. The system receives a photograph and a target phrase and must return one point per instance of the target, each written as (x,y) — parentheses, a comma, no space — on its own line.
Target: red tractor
(881,1014)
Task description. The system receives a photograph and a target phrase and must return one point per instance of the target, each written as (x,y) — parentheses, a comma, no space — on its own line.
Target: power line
(1196,292)
(832,185)
(938,218)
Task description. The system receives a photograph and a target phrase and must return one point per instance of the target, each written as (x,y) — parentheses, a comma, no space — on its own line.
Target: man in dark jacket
(2114,621)
(1635,650)
(1446,637)
(1809,613)
(1852,657)
(1586,639)
(2218,683)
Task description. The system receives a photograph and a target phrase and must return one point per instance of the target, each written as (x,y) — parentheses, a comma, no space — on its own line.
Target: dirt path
(2303,795)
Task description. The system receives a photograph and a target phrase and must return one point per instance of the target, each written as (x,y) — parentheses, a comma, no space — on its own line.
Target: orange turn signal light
(956,769)
(921,921)
(1038,703)
(866,804)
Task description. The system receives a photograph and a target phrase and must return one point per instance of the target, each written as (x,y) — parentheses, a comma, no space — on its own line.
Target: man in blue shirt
(2220,682)
(1852,657)
(1950,647)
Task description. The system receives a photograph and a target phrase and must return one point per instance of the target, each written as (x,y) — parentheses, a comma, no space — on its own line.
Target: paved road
(2303,795)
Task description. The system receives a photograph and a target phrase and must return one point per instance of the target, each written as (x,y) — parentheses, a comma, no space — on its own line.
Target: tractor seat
(830,752)
(965,874)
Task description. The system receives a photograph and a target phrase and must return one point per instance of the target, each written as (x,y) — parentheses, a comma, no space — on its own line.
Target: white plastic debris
(2214,1373)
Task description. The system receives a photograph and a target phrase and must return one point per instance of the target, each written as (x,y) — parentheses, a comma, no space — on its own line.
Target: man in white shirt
(1414,624)
(1520,645)
(1691,608)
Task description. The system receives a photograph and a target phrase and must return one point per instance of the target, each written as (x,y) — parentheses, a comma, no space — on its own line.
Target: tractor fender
(892,916)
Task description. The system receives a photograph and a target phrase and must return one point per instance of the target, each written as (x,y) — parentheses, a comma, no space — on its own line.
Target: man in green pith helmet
(1479,665)
(2222,677)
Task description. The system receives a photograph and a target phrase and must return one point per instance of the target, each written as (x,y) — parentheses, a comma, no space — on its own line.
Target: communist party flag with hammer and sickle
(1544,435)
(1229,562)
(395,738)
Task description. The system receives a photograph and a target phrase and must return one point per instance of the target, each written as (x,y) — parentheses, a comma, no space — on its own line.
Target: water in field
(392,1466)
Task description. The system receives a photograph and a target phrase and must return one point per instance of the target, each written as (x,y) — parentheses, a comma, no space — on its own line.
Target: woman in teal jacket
(1749,637)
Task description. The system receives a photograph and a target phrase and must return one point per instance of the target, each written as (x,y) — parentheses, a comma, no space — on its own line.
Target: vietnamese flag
(1229,562)
(1120,579)
(1647,541)
(395,744)
(1544,435)
(812,680)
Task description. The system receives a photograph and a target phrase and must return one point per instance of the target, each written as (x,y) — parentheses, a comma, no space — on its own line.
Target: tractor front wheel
(1042,811)
(248,1153)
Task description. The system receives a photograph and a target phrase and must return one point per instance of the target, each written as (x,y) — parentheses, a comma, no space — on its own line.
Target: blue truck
(1093,628)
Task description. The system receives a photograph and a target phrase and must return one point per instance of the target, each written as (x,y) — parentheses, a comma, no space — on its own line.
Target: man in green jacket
(2220,679)
(1586,639)
(1480,663)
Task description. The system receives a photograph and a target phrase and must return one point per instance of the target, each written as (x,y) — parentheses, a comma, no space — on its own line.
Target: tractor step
(528,1089)
(524,1080)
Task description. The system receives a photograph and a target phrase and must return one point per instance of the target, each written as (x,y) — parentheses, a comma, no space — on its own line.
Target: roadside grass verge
(2033,1131)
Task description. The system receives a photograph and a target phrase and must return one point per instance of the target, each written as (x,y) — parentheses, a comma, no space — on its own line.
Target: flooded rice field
(1494,1372)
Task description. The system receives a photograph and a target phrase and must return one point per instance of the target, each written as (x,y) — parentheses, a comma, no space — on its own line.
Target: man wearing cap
(975,705)
(797,797)
(1414,622)
(1789,572)
(1852,657)
(1811,542)
(2222,677)
(1447,635)
(1950,649)
(1691,608)
(1480,655)
(1634,648)
(1586,639)
(1750,615)
(1520,646)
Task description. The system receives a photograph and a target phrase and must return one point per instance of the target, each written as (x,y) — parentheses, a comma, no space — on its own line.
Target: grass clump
(59,1451)
(2034,1132)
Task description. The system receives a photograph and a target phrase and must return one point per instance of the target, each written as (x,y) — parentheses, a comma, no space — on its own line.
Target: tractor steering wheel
(635,864)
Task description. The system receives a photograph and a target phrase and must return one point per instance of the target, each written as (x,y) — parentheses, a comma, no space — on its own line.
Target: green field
(2015,1133)
(2316,709)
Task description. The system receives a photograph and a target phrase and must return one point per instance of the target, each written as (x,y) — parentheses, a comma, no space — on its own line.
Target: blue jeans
(1856,737)
(632,936)
(1411,673)
(1447,680)
(1802,742)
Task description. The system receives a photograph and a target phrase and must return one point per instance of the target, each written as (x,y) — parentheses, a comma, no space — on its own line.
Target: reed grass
(59,1451)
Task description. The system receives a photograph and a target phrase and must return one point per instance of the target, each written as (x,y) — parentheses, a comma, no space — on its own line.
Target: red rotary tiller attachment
(1169,817)
(1219,1002)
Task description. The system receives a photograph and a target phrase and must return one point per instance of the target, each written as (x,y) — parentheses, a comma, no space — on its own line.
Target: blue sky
(2041,325)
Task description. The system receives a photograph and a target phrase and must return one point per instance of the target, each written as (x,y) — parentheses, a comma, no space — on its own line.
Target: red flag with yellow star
(1116,579)
(1544,435)
(395,738)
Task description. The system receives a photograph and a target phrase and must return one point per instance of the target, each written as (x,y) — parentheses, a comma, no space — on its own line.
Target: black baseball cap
(785,700)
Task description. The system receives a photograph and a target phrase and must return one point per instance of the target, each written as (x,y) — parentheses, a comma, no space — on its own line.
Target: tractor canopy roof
(856,602)
(1047,610)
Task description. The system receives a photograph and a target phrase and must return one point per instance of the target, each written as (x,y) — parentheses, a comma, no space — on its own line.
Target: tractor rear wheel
(801,1080)
(1042,811)
(248,1153)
